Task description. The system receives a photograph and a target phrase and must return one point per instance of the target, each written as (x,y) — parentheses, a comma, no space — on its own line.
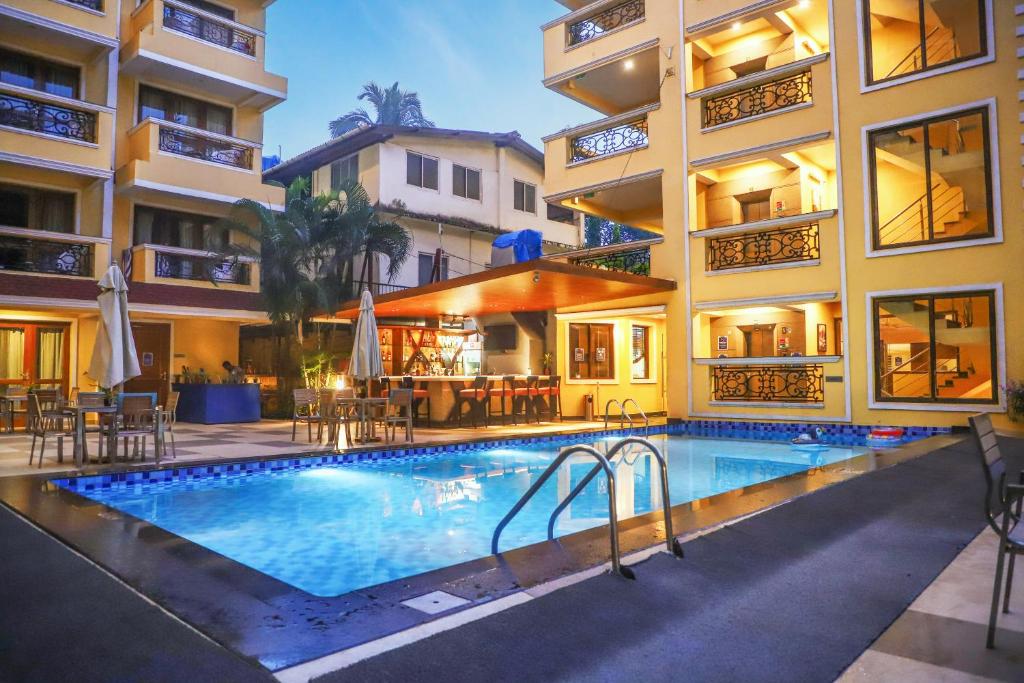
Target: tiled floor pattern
(941,636)
(196,442)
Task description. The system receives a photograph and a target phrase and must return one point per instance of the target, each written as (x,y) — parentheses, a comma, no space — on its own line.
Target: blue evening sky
(476,64)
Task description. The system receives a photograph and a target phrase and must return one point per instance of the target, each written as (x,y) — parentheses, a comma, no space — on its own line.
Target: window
(346,169)
(525,197)
(36,209)
(32,354)
(168,106)
(936,348)
(32,72)
(912,36)
(641,352)
(426,268)
(420,170)
(177,229)
(932,180)
(591,351)
(465,182)
(212,8)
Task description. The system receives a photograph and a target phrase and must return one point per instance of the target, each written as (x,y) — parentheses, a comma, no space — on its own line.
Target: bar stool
(553,392)
(419,397)
(477,397)
(526,396)
(507,389)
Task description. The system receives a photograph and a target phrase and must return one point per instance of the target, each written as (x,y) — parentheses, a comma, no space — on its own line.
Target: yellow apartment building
(127,128)
(837,186)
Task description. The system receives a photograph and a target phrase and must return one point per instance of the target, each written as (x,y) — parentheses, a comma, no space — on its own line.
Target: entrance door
(153,345)
(759,340)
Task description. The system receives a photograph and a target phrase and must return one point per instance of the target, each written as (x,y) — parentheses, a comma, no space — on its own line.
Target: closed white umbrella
(114,359)
(366,362)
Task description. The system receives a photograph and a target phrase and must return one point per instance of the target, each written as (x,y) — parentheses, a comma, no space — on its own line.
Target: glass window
(525,197)
(426,268)
(936,348)
(465,182)
(345,169)
(421,170)
(932,180)
(12,353)
(50,354)
(591,351)
(212,8)
(909,36)
(641,352)
(37,209)
(177,229)
(188,111)
(28,71)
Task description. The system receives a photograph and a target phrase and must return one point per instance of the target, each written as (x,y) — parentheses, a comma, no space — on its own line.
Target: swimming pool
(333,528)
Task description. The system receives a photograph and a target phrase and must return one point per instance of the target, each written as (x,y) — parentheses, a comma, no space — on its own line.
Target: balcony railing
(52,119)
(206,27)
(636,261)
(96,5)
(596,25)
(757,99)
(602,143)
(196,145)
(31,255)
(190,267)
(785,245)
(769,383)
(376,288)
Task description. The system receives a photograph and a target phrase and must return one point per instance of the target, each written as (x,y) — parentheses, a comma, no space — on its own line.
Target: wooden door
(759,340)
(153,346)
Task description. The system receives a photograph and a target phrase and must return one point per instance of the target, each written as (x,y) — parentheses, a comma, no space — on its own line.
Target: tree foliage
(599,232)
(391,106)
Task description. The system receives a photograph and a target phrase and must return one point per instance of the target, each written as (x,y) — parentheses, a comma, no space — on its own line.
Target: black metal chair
(526,396)
(1000,497)
(476,397)
(506,389)
(553,393)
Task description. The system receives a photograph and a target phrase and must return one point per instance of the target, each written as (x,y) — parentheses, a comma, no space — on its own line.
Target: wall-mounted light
(536,276)
(628,65)
(736,26)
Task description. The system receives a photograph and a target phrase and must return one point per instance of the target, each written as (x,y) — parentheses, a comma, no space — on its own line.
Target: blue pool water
(332,529)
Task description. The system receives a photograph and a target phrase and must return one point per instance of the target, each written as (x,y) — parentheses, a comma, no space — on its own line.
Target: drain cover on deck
(436,602)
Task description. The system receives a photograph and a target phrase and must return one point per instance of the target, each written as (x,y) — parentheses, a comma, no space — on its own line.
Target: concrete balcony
(169,157)
(173,41)
(605,54)
(56,131)
(585,167)
(38,252)
(157,264)
(92,20)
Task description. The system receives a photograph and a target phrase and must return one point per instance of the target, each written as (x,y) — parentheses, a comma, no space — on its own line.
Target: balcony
(42,253)
(803,383)
(606,20)
(757,99)
(90,21)
(193,162)
(174,265)
(771,247)
(624,137)
(38,125)
(177,42)
(626,257)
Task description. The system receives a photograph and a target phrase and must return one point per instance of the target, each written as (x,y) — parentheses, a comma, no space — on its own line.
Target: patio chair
(526,396)
(102,426)
(420,397)
(1001,497)
(42,424)
(138,420)
(305,410)
(477,398)
(398,411)
(553,393)
(505,390)
(170,416)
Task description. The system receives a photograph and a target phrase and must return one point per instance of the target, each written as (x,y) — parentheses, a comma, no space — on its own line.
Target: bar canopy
(537,285)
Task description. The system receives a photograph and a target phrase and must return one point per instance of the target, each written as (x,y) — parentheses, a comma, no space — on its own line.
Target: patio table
(10,405)
(78,413)
(366,432)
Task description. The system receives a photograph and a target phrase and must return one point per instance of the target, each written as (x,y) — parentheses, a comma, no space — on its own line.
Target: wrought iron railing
(189,267)
(52,119)
(44,256)
(785,245)
(208,149)
(209,30)
(596,25)
(608,141)
(376,288)
(757,99)
(635,261)
(91,4)
(769,383)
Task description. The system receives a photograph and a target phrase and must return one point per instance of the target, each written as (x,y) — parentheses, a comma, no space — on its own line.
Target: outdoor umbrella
(114,359)
(366,363)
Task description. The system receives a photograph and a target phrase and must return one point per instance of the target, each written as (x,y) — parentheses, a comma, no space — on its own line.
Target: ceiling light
(628,65)
(804,4)
(736,26)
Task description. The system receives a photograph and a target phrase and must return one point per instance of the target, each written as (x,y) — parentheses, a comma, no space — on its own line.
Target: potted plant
(546,361)
(1014,391)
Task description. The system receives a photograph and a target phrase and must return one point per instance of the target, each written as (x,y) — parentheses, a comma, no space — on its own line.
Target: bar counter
(442,390)
(218,403)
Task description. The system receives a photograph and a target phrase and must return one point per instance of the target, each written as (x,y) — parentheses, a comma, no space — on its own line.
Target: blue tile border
(836,434)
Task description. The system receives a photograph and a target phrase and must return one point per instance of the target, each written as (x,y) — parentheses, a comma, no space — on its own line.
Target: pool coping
(278,626)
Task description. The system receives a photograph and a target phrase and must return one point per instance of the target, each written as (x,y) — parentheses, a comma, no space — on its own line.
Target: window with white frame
(524,197)
(344,169)
(641,342)
(465,182)
(421,170)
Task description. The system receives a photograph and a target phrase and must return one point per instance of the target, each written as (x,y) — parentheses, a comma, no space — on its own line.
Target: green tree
(392,107)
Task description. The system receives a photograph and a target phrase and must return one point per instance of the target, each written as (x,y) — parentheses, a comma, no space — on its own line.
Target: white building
(455,190)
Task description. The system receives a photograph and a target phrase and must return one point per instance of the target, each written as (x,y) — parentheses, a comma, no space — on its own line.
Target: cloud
(441,27)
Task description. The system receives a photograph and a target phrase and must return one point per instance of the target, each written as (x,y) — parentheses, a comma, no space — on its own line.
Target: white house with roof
(455,190)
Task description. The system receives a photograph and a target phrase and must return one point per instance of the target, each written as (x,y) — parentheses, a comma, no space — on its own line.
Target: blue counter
(212,404)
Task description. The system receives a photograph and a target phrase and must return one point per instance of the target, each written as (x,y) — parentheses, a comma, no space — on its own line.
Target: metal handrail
(602,463)
(673,544)
(623,415)
(647,420)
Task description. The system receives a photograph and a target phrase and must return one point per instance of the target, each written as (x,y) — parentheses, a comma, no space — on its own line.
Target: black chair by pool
(1000,497)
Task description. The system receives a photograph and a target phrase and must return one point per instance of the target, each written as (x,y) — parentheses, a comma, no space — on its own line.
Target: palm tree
(392,107)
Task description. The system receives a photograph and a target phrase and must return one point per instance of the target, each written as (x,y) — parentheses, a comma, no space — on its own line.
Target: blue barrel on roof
(516,247)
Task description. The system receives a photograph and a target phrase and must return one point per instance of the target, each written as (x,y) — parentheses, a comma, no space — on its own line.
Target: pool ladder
(604,463)
(624,415)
